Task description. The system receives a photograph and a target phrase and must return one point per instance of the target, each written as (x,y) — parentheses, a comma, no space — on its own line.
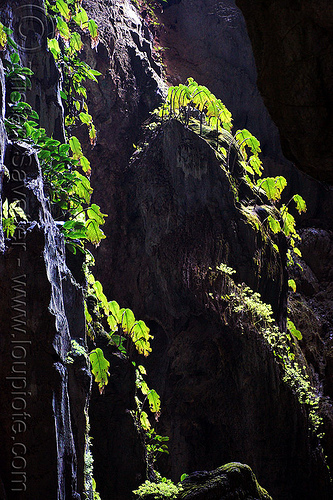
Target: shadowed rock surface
(292,44)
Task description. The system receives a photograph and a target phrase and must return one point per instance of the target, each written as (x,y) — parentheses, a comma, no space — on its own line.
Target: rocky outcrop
(229,482)
(291,44)
(180,219)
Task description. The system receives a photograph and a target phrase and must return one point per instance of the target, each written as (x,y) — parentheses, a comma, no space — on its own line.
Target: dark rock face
(292,45)
(177,219)
(171,215)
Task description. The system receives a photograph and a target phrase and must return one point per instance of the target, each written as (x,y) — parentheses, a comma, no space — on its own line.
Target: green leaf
(15,96)
(26,71)
(63,9)
(3,37)
(293,330)
(5,208)
(281,183)
(270,188)
(85,164)
(85,118)
(81,18)
(82,187)
(289,223)
(75,146)
(92,134)
(128,320)
(144,420)
(201,97)
(99,368)
(297,252)
(154,401)
(63,29)
(53,46)
(94,213)
(300,203)
(115,310)
(94,233)
(87,314)
(92,26)
(274,224)
(64,148)
(15,58)
(292,285)
(142,370)
(112,323)
(63,95)
(76,42)
(244,137)
(141,335)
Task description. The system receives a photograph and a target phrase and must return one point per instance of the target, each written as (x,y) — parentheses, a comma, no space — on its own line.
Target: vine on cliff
(247,305)
(66,173)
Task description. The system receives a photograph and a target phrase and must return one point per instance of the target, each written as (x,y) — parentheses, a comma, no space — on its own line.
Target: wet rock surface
(43,424)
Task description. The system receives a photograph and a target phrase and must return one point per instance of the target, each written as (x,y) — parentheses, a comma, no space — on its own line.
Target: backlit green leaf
(154,401)
(63,29)
(63,9)
(292,285)
(75,147)
(300,203)
(99,368)
(115,310)
(128,320)
(76,42)
(81,18)
(53,46)
(273,224)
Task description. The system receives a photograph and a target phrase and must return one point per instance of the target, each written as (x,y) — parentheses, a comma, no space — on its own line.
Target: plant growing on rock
(249,309)
(197,108)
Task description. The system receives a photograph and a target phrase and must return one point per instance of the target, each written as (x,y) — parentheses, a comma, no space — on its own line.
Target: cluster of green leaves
(72,23)
(163,488)
(12,213)
(66,174)
(118,325)
(182,102)
(68,188)
(153,443)
(124,333)
(239,299)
